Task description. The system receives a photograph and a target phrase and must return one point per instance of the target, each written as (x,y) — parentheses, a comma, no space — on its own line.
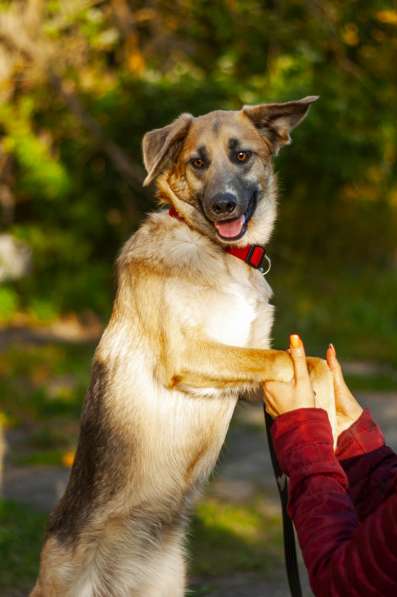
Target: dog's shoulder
(170,247)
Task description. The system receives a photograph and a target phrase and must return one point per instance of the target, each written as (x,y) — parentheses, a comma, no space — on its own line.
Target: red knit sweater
(344,505)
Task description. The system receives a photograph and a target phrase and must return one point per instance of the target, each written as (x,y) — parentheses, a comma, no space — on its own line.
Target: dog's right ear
(276,121)
(162,145)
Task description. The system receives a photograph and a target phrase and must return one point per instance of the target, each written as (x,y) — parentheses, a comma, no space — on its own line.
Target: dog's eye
(197,163)
(243,156)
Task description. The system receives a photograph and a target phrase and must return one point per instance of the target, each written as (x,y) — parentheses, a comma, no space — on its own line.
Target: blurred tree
(82,80)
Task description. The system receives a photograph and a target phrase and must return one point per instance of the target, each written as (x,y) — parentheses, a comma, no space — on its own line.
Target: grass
(21,533)
(43,388)
(227,537)
(224,538)
(42,393)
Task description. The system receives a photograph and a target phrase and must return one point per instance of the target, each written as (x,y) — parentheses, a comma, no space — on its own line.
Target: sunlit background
(80,83)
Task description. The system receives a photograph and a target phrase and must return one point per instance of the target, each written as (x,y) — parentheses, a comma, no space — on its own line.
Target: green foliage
(40,174)
(8,303)
(79,79)
(44,383)
(43,387)
(108,72)
(40,457)
(381,382)
(353,308)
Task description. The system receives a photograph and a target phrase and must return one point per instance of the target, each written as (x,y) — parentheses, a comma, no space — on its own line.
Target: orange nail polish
(295,341)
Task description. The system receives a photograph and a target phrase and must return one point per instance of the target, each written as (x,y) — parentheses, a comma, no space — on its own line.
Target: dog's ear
(275,121)
(162,145)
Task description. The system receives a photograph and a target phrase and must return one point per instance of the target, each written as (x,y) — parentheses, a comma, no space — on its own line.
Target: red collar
(253,255)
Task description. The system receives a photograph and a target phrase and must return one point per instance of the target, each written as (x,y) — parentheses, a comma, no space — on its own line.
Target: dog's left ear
(161,145)
(275,121)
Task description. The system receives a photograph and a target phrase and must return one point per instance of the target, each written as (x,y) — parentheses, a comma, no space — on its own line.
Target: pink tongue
(230,229)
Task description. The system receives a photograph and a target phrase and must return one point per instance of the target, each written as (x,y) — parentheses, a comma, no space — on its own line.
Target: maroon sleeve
(344,558)
(370,466)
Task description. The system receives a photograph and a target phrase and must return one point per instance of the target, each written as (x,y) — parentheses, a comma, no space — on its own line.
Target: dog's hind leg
(168,573)
(36,592)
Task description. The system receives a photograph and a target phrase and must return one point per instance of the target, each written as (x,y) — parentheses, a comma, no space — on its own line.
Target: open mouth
(236,228)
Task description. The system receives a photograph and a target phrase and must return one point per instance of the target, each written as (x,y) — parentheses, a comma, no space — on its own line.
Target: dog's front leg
(203,363)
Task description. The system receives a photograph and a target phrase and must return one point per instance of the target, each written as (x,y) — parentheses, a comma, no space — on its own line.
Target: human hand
(281,397)
(348,410)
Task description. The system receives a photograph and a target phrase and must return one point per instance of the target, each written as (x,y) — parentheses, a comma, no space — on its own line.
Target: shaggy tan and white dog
(190,330)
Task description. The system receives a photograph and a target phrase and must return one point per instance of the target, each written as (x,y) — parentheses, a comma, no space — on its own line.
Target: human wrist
(363,436)
(302,437)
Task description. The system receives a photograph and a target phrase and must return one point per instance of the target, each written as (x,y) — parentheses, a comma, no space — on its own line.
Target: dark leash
(290,556)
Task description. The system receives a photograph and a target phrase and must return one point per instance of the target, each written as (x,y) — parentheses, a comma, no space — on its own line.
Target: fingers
(297,352)
(341,388)
(335,367)
(272,388)
(332,361)
(348,410)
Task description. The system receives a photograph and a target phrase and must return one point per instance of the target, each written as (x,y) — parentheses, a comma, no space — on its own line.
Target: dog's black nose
(223,204)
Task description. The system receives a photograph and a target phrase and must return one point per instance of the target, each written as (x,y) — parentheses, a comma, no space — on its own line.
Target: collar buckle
(258,259)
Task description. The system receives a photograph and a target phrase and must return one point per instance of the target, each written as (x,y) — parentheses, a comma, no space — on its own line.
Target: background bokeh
(80,83)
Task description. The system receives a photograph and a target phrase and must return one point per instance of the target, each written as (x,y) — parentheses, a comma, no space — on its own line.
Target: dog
(189,332)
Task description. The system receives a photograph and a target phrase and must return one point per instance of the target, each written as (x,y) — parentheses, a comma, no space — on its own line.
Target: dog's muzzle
(230,216)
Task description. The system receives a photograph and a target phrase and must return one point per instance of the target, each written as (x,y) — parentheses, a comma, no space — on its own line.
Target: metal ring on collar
(268,268)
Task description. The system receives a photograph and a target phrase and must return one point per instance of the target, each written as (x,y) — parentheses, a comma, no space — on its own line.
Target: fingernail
(332,347)
(295,341)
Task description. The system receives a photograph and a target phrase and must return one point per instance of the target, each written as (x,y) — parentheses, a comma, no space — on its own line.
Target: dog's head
(217,171)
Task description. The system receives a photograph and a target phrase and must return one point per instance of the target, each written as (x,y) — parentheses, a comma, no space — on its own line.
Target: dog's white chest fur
(240,314)
(231,316)
(228,300)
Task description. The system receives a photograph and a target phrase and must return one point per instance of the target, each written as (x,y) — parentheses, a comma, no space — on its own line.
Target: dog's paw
(323,387)
(317,366)
(279,366)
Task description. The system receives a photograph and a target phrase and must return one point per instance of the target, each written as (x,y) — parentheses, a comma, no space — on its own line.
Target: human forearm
(370,466)
(340,555)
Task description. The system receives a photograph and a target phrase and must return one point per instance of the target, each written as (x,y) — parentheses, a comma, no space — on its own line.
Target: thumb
(297,352)
(273,388)
(274,397)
